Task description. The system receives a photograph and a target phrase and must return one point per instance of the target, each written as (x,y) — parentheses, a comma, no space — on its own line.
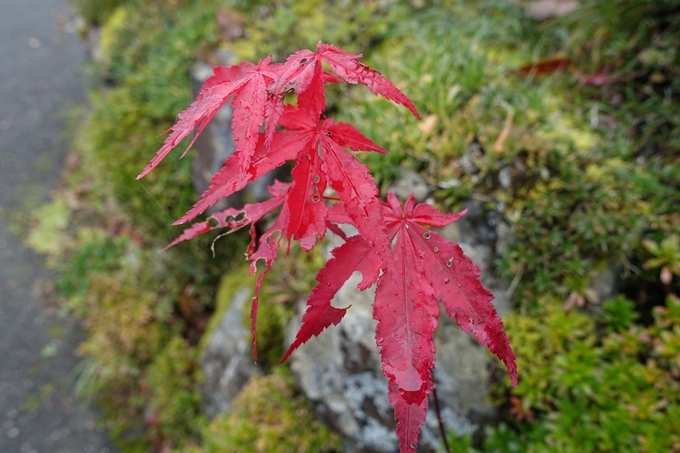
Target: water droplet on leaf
(426,235)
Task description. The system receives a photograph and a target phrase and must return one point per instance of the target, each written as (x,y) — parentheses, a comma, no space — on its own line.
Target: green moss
(575,194)
(138,365)
(280,27)
(173,380)
(96,11)
(272,316)
(454,63)
(232,282)
(50,221)
(268,416)
(114,24)
(97,255)
(580,392)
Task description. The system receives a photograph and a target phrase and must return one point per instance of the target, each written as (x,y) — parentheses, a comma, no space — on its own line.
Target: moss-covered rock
(269,416)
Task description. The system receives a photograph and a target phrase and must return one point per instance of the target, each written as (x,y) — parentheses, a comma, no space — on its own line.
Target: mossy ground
(587,177)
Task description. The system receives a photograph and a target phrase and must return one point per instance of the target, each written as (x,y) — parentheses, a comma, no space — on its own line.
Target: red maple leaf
(430,269)
(235,219)
(230,178)
(247,83)
(321,156)
(302,72)
(426,268)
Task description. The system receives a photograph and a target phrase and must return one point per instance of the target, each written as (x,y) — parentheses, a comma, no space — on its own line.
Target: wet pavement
(40,56)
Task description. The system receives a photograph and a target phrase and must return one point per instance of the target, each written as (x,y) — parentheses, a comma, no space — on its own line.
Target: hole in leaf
(315,195)
(394,242)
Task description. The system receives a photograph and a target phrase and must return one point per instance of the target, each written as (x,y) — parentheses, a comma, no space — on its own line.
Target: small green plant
(583,392)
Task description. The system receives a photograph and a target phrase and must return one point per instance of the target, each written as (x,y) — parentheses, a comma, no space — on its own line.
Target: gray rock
(409,183)
(545,9)
(227,362)
(505,178)
(469,161)
(340,372)
(606,283)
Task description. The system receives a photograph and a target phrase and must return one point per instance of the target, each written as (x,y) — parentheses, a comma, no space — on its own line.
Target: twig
(515,281)
(439,418)
(154,199)
(500,141)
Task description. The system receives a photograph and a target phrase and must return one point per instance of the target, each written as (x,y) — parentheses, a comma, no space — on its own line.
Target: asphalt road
(40,56)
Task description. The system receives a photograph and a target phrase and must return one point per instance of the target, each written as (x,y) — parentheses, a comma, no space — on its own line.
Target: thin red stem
(440,421)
